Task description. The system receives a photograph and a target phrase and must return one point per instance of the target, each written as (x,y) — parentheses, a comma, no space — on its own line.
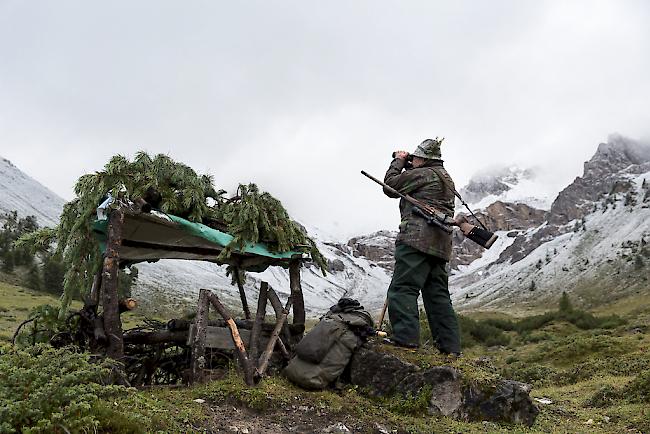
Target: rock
(544,401)
(337,428)
(508,402)
(199,401)
(335,265)
(378,247)
(445,383)
(380,429)
(382,375)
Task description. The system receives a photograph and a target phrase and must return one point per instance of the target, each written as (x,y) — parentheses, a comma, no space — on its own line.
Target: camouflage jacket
(425,185)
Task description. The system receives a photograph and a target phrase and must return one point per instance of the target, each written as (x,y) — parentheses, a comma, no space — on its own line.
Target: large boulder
(452,392)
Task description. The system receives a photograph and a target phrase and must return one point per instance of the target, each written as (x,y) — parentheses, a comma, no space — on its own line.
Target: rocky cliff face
(508,218)
(594,237)
(596,233)
(508,185)
(605,174)
(378,247)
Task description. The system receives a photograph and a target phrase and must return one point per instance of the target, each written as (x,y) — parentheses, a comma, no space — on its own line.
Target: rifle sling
(445,182)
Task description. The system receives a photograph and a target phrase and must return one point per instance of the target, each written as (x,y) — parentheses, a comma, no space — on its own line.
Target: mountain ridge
(545,250)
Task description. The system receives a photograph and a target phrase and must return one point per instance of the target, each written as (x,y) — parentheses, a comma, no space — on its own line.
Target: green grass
(595,377)
(17,302)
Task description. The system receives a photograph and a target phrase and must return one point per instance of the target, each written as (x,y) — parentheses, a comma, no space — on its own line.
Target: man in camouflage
(422,251)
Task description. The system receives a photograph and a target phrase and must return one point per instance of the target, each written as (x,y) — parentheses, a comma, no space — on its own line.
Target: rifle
(435,217)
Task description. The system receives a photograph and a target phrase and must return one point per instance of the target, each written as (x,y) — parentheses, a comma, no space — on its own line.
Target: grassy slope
(16,303)
(567,365)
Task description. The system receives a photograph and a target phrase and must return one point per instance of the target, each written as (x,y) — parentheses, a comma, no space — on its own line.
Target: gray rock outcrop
(452,394)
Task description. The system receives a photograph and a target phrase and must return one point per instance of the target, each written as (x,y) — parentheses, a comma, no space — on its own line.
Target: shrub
(479,332)
(44,389)
(604,397)
(639,389)
(46,323)
(529,373)
(578,348)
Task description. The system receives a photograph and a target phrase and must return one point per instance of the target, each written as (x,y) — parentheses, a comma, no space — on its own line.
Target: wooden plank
(285,340)
(250,376)
(266,355)
(220,337)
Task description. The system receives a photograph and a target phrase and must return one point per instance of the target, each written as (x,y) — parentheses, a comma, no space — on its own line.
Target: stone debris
(337,428)
(544,401)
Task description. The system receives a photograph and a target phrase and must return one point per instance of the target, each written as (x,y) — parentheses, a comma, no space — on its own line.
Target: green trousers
(417,272)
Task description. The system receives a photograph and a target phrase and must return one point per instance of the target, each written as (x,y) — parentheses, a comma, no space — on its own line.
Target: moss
(606,396)
(411,404)
(639,389)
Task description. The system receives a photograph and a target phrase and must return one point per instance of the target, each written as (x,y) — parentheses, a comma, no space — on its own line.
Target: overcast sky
(299,96)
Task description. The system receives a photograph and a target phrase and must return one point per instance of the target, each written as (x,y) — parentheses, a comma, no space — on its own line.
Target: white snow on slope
(560,263)
(527,186)
(21,193)
(527,191)
(182,279)
(489,256)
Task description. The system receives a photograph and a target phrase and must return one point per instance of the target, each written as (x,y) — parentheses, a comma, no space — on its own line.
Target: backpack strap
(446,183)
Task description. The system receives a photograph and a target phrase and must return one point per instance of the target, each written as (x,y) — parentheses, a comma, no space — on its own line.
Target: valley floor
(588,380)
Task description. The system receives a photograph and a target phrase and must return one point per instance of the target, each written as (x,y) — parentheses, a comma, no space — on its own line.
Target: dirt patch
(228,417)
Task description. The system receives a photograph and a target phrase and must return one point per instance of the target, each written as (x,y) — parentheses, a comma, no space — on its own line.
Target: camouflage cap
(429,149)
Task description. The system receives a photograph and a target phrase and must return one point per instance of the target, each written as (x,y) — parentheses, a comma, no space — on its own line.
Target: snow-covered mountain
(509,185)
(593,241)
(177,282)
(170,285)
(21,193)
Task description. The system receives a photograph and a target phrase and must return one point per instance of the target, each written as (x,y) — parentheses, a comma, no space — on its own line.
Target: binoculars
(409,160)
(409,157)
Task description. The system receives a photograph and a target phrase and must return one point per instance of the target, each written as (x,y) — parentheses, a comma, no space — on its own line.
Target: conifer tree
(251,217)
(565,303)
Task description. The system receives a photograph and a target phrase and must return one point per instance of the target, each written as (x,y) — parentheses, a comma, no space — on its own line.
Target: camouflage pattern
(423,184)
(429,149)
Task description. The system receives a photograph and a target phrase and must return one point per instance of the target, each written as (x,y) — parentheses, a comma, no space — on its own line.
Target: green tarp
(149,237)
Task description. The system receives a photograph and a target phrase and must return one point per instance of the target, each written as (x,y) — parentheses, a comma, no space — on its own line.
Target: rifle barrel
(386,186)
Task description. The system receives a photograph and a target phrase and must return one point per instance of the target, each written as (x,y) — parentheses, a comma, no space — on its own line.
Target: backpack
(323,354)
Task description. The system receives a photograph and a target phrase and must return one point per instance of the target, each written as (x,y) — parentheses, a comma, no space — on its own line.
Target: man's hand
(403,155)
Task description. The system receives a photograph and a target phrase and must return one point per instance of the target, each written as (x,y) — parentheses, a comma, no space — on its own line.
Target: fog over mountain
(593,240)
(306,94)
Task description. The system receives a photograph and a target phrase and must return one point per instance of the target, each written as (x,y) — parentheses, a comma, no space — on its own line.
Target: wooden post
(242,293)
(249,370)
(198,344)
(277,307)
(266,355)
(112,322)
(259,319)
(93,297)
(296,293)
